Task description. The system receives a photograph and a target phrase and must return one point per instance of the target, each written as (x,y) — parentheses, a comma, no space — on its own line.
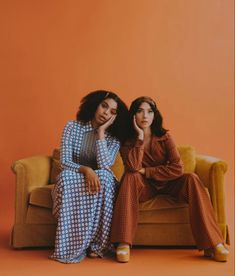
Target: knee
(64,179)
(191,176)
(63,176)
(134,175)
(104,175)
(193,179)
(132,180)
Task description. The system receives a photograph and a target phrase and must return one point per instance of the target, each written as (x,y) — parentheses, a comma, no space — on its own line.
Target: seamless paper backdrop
(54,52)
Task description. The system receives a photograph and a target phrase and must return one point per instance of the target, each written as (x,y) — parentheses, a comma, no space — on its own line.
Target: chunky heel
(123,254)
(220,253)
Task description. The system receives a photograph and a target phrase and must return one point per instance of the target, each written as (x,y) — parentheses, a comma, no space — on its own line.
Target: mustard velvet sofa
(162,220)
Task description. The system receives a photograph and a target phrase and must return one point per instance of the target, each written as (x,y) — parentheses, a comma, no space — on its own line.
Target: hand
(139,131)
(101,129)
(92,180)
(142,171)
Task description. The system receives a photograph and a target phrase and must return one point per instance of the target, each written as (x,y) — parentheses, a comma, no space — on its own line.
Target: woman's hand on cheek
(140,132)
(101,129)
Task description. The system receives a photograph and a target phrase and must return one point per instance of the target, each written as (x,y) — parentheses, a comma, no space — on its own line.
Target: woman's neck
(94,124)
(147,132)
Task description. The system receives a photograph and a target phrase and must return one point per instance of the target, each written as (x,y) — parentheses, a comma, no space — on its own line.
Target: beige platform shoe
(220,253)
(123,253)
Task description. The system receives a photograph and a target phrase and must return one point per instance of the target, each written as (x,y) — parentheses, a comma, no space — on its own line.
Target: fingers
(113,119)
(135,124)
(109,122)
(94,186)
(134,121)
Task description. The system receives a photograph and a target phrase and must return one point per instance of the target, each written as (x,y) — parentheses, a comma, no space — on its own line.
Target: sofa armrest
(30,173)
(211,171)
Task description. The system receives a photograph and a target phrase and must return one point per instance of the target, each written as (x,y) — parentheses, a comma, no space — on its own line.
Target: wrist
(141,136)
(100,134)
(85,169)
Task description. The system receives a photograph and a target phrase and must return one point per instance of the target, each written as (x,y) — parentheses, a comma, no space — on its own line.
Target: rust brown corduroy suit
(163,175)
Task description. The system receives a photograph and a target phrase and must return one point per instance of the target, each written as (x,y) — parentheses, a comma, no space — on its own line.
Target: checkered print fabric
(84,219)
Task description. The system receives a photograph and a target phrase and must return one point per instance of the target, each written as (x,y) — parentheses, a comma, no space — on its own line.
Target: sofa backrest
(187,154)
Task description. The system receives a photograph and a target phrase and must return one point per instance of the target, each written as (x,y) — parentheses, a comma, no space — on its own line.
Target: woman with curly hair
(84,193)
(153,166)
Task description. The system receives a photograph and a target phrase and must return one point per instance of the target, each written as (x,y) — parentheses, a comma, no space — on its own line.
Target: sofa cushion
(118,167)
(39,215)
(41,196)
(163,209)
(161,202)
(170,215)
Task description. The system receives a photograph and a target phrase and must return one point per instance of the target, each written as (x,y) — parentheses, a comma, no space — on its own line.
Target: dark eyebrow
(109,106)
(143,109)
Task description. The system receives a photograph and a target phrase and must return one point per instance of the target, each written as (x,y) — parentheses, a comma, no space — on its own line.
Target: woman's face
(105,110)
(144,116)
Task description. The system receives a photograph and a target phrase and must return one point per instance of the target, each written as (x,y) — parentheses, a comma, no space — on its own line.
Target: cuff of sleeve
(139,143)
(148,172)
(101,142)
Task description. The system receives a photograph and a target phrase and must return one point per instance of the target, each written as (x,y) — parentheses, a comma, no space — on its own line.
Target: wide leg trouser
(83,219)
(187,188)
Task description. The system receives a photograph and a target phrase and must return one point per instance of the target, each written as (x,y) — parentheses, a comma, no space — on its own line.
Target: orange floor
(144,261)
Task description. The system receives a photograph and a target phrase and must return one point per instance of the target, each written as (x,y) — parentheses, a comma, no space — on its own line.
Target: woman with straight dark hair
(84,193)
(153,166)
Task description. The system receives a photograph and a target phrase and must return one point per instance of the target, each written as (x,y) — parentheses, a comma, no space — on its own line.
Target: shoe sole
(122,258)
(220,257)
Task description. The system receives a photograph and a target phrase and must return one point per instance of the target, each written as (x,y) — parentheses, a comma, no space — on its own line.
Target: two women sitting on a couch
(88,222)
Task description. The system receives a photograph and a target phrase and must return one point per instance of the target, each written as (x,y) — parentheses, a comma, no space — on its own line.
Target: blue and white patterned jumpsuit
(84,219)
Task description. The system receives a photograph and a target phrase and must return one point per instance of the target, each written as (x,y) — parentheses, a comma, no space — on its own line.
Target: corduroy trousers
(187,188)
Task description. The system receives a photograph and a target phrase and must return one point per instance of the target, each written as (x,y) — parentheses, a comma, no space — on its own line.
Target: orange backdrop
(54,52)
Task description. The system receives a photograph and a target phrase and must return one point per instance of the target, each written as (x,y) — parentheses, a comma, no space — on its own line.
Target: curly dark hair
(156,127)
(88,107)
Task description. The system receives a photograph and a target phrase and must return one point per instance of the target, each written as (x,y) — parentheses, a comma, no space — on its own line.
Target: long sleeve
(173,167)
(106,152)
(132,155)
(66,154)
